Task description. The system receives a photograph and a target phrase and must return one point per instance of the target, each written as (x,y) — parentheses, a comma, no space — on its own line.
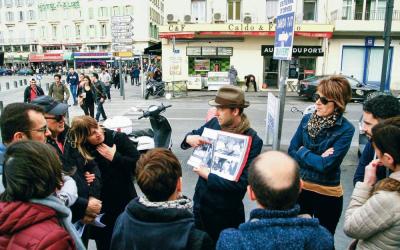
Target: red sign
(177,34)
(190,35)
(46,57)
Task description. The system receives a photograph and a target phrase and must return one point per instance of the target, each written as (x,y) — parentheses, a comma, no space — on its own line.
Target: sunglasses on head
(57,118)
(322,99)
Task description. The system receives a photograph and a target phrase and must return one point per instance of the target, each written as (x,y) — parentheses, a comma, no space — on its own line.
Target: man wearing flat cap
(218,202)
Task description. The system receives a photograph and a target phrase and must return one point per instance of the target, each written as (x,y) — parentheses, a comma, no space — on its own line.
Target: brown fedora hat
(229,96)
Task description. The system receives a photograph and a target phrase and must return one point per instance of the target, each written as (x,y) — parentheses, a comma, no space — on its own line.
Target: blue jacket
(307,151)
(217,193)
(73,79)
(366,157)
(2,152)
(273,229)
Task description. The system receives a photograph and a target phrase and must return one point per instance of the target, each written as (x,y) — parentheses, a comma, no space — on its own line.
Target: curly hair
(382,106)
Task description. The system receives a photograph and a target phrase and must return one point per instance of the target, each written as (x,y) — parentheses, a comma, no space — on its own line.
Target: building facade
(63,27)
(331,37)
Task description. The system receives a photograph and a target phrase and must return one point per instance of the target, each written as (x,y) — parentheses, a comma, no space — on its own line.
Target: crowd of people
(65,185)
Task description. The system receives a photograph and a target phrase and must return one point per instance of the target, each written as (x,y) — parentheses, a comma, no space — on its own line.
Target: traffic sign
(121,19)
(122,40)
(284,30)
(118,34)
(122,47)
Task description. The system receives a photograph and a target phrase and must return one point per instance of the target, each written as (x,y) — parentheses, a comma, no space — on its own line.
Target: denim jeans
(74,89)
(100,110)
(108,92)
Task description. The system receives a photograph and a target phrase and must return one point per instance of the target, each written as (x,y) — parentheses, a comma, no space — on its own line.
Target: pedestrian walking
(100,97)
(106,79)
(232,74)
(87,96)
(32,91)
(73,81)
(319,145)
(218,202)
(59,91)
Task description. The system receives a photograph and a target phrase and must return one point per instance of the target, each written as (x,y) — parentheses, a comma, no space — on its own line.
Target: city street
(189,112)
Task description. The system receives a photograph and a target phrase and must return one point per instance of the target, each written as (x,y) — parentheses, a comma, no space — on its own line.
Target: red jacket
(25,225)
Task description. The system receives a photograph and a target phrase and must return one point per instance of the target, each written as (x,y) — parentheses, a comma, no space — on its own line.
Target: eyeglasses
(323,99)
(57,118)
(41,130)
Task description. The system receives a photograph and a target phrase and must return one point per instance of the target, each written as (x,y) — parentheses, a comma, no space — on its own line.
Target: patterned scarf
(181,203)
(241,128)
(317,123)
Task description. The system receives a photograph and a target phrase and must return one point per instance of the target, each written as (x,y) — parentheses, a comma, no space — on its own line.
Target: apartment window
(91,13)
(20,16)
(25,48)
(8,3)
(116,11)
(103,30)
(31,15)
(199,10)
(67,31)
(29,2)
(32,35)
(310,10)
(77,31)
(9,16)
(346,9)
(103,12)
(54,31)
(128,10)
(92,31)
(43,34)
(19,3)
(272,7)
(234,9)
(34,47)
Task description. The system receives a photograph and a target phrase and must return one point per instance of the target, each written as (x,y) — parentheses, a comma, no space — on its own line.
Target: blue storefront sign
(369,41)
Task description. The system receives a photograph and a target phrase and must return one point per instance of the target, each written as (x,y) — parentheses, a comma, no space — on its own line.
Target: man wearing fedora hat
(218,202)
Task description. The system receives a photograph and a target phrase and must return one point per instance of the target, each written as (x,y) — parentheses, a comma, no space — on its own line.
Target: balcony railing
(366,16)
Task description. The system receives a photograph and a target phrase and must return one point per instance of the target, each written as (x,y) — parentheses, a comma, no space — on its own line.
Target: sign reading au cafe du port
(268,50)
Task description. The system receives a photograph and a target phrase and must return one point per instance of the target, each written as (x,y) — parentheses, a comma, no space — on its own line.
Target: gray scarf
(181,203)
(64,217)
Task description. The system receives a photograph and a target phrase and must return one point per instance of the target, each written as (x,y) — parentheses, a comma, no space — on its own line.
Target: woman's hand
(89,178)
(328,152)
(370,172)
(106,151)
(202,171)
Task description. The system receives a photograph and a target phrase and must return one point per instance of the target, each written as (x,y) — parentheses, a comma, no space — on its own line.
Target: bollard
(47,86)
(25,82)
(7,85)
(15,84)
(20,82)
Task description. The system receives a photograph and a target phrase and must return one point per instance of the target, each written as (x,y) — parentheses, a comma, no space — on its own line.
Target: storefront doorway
(270,71)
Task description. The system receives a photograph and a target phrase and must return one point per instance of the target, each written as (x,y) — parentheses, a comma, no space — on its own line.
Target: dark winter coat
(147,228)
(220,197)
(273,229)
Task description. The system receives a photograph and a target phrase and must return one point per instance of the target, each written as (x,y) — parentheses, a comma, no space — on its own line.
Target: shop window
(234,9)
(16,48)
(7,48)
(310,10)
(353,62)
(199,10)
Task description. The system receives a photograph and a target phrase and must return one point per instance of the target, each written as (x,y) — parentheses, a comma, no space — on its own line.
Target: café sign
(59,5)
(268,50)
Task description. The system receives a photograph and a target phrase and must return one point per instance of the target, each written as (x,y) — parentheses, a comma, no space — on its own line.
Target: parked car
(25,72)
(360,91)
(5,72)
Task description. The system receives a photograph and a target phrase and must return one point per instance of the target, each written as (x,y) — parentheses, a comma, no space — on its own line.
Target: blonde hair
(79,133)
(336,88)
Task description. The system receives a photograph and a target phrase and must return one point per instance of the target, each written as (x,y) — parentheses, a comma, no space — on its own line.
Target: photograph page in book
(226,156)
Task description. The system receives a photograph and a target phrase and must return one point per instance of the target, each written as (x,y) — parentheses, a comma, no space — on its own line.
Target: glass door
(270,71)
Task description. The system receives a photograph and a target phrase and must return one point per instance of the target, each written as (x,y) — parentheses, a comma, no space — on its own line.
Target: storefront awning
(153,50)
(46,57)
(177,35)
(92,55)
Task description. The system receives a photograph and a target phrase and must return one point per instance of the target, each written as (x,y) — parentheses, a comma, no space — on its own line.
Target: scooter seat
(142,132)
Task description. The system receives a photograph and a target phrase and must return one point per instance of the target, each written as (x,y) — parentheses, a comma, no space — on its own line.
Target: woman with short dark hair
(319,146)
(31,176)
